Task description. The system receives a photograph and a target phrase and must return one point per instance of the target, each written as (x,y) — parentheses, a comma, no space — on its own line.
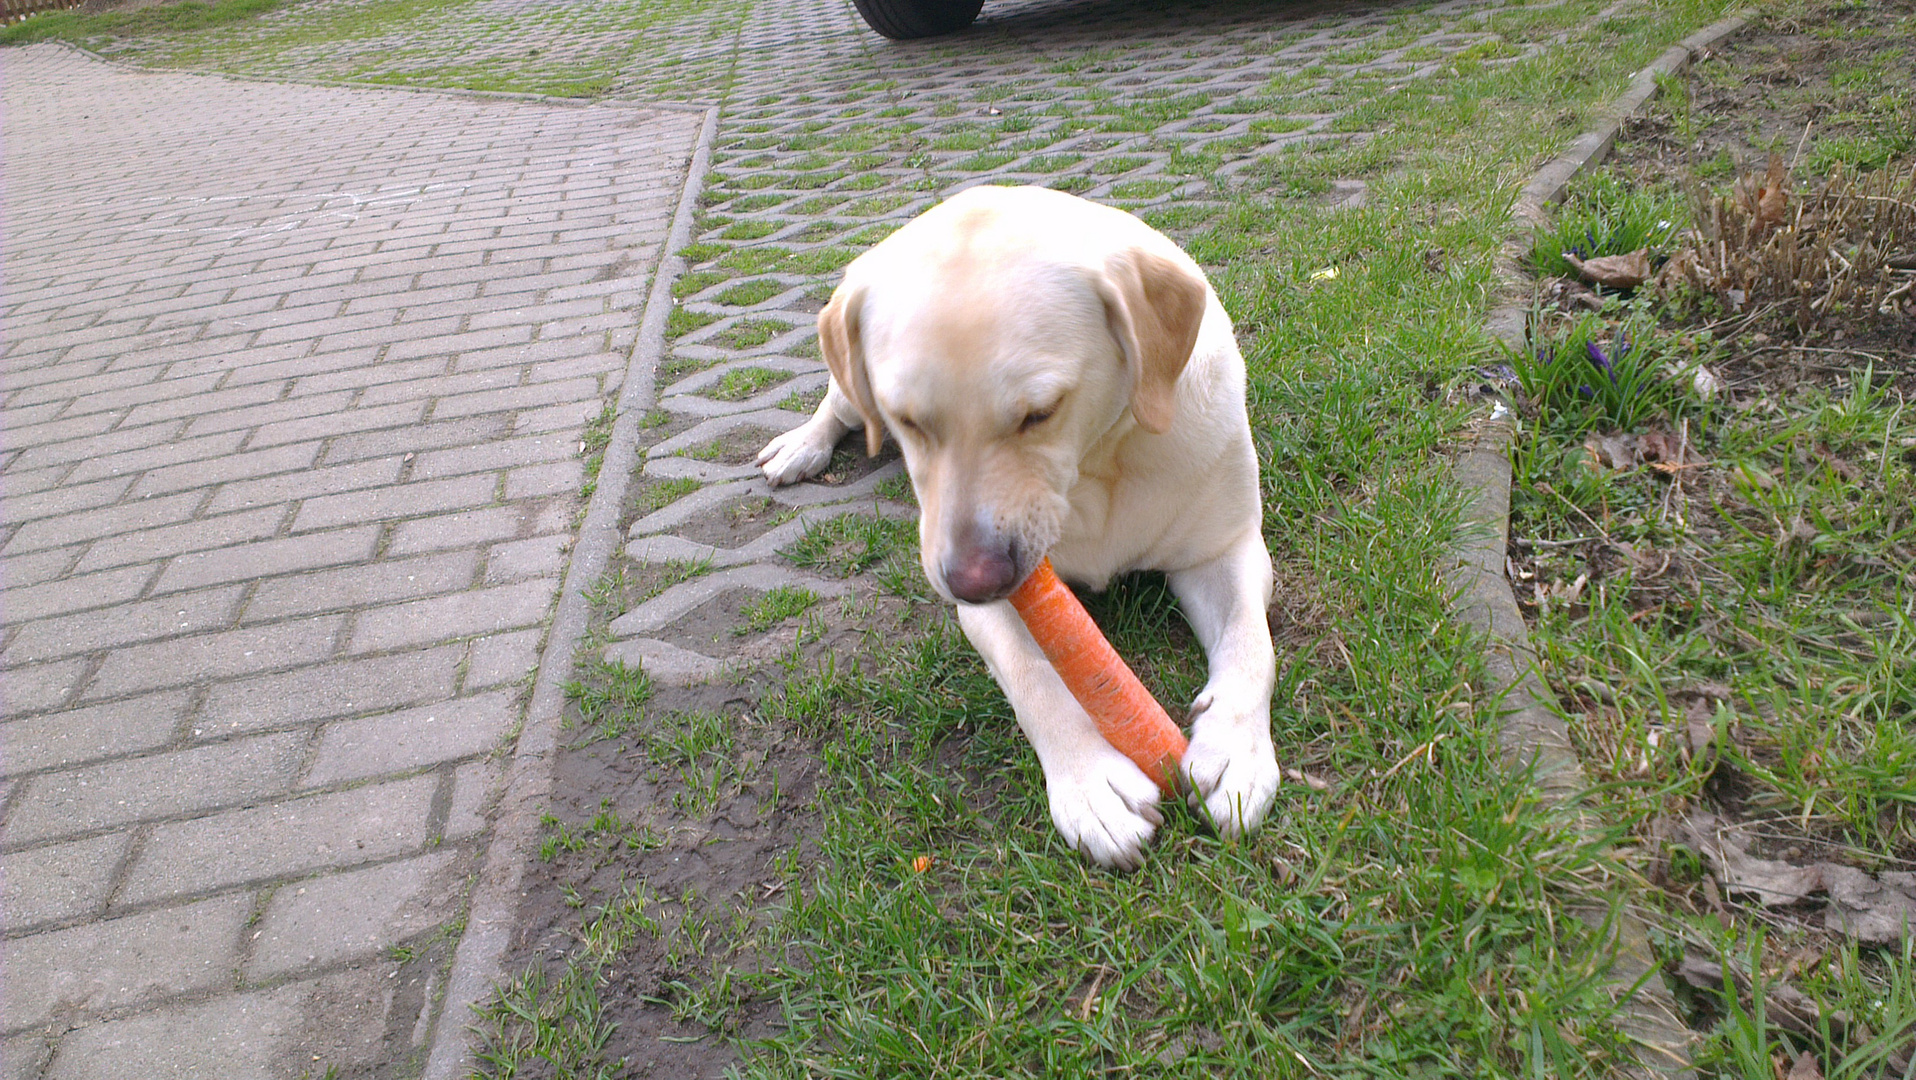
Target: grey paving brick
(25,481)
(334,829)
(77,736)
(25,434)
(475,790)
(400,741)
(502,454)
(177,452)
(357,586)
(419,439)
(23,1057)
(46,598)
(63,500)
(311,483)
(441,386)
(40,687)
(269,558)
(595,365)
(396,500)
(59,882)
(345,421)
(121,624)
(270,412)
(465,529)
(516,560)
(234,466)
(207,657)
(552,478)
(518,397)
(37,567)
(158,785)
(260,1035)
(310,365)
(194,405)
(107,521)
(330,325)
(534,354)
(560,418)
(442,618)
(499,659)
(325,692)
(167,540)
(326,920)
(140,958)
(143,389)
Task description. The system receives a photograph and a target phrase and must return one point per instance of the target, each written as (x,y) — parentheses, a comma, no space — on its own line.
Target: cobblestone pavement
(296,380)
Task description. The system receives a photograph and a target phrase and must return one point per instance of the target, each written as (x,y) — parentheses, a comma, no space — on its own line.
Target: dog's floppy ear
(1154,306)
(839,339)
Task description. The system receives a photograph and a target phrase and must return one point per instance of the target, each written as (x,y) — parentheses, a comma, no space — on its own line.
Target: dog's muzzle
(983,573)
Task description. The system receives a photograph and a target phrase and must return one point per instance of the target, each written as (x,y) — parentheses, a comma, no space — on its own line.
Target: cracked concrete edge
(352,84)
(493,913)
(1532,734)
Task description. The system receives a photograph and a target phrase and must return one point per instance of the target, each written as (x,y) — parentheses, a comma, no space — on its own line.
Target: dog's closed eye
(1035,417)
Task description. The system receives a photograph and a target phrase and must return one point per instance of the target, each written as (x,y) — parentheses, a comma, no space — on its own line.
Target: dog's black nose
(981,575)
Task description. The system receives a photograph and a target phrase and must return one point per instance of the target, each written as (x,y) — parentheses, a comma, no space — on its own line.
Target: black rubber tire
(903,20)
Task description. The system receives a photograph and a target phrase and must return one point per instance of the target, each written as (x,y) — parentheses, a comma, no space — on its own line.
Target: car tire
(903,20)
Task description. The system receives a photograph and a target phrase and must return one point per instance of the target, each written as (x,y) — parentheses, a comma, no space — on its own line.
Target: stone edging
(1532,734)
(493,910)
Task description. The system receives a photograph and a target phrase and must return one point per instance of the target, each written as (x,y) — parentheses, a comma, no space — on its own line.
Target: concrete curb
(493,912)
(1532,734)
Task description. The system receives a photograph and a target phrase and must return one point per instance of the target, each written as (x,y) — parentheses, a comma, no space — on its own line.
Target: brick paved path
(295,385)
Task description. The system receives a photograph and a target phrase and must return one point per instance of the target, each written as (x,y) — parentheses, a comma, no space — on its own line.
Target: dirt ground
(1800,89)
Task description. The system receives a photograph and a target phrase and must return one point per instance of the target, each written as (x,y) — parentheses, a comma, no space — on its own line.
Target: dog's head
(1000,337)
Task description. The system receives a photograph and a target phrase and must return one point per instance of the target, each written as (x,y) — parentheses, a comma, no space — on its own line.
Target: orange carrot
(1125,712)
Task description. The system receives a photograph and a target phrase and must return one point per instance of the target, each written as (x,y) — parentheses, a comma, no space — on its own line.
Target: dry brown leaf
(1766,196)
(1614,452)
(1614,271)
(1699,729)
(1879,909)
(1788,1007)
(1805,1068)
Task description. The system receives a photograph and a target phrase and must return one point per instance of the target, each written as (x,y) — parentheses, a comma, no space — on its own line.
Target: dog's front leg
(1231,766)
(1101,802)
(804,451)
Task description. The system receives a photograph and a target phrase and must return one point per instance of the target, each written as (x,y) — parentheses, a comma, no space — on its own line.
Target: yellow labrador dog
(1062,380)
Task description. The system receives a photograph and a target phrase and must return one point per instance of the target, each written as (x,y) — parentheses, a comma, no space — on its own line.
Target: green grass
(598,435)
(610,698)
(1596,374)
(184,17)
(1605,218)
(741,383)
(851,543)
(775,606)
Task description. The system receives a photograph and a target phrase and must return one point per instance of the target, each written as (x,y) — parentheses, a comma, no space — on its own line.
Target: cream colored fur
(1061,379)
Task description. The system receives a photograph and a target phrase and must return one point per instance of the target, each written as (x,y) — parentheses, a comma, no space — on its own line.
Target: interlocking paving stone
(250,1036)
(318,922)
(123,961)
(293,378)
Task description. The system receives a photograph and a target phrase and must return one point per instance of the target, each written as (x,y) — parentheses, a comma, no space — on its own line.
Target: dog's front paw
(1231,767)
(799,454)
(1108,810)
